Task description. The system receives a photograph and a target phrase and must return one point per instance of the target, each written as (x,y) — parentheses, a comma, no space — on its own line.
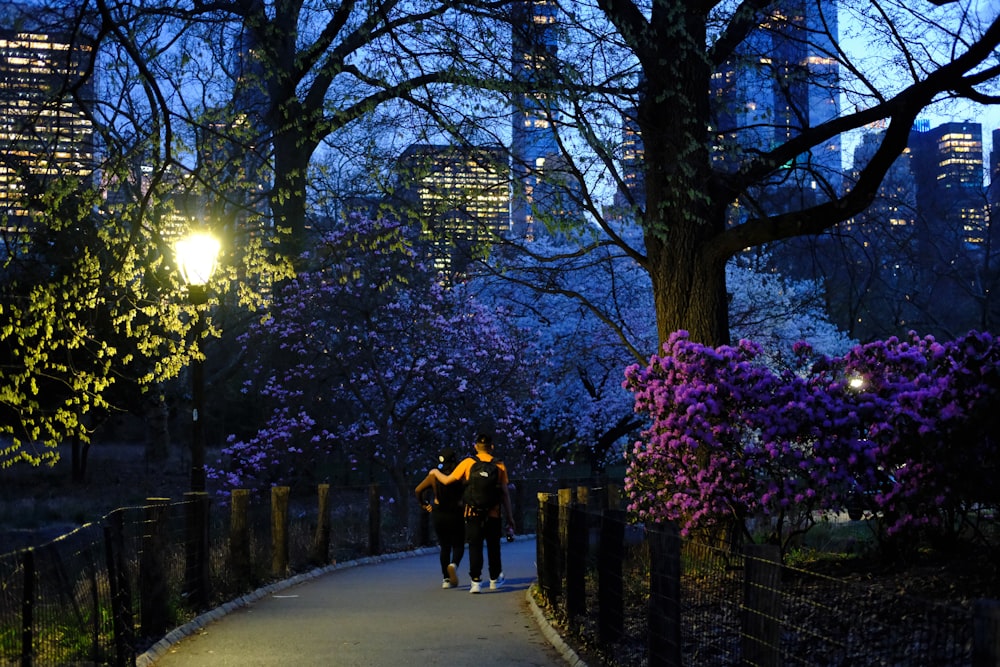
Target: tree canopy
(369,361)
(238,104)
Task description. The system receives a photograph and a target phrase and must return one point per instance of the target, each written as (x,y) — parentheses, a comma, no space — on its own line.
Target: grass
(46,499)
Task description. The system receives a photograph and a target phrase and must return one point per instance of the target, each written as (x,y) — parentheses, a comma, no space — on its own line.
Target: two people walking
(484,482)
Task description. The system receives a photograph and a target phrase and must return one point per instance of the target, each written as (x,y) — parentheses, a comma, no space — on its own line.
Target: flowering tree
(777,312)
(903,423)
(588,315)
(930,413)
(589,308)
(367,359)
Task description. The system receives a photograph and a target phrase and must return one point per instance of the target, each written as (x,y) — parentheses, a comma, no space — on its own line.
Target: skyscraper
(994,188)
(534,149)
(948,166)
(459,194)
(783,80)
(45,136)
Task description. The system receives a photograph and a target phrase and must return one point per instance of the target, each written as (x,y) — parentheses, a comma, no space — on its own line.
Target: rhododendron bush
(905,428)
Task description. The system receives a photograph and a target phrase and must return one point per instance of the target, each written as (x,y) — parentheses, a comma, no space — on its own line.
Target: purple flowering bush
(906,428)
(366,364)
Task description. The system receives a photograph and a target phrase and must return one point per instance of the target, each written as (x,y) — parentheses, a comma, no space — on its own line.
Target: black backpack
(482,492)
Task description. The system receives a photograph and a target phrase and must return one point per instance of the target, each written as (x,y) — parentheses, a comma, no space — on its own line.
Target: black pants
(477,531)
(450,530)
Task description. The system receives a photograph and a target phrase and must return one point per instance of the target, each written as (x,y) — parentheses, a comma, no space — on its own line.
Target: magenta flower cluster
(906,429)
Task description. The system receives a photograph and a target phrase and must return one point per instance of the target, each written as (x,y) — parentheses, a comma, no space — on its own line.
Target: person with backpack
(485,496)
(447,516)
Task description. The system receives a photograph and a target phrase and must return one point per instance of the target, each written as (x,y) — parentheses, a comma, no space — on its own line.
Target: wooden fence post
(374,521)
(610,588)
(614,499)
(196,566)
(320,552)
(664,608)
(154,600)
(279,530)
(576,561)
(553,552)
(761,632)
(565,503)
(239,537)
(986,633)
(540,554)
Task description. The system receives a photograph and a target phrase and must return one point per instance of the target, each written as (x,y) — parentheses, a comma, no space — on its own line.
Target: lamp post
(196,255)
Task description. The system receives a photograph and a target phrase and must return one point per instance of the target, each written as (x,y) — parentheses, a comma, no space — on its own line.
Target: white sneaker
(475,587)
(446,584)
(498,582)
(452,574)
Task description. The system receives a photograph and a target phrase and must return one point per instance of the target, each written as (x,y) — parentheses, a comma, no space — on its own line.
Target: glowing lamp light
(196,256)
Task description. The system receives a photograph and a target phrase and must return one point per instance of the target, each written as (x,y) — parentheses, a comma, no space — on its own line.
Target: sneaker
(476,586)
(452,574)
(498,582)
(446,584)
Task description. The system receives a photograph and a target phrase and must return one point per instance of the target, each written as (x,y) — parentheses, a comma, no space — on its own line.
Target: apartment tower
(45,137)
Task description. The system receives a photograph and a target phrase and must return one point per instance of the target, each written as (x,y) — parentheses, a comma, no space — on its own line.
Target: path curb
(567,653)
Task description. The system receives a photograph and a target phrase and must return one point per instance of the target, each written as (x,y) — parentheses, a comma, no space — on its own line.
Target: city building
(460,195)
(45,136)
(947,162)
(534,148)
(895,205)
(782,80)
(994,190)
(631,194)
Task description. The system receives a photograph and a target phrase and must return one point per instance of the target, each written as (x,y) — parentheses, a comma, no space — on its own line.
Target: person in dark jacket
(447,516)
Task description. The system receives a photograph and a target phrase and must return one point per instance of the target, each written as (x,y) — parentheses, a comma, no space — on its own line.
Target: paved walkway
(379,612)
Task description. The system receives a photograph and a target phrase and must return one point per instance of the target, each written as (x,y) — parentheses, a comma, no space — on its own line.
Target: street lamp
(196,255)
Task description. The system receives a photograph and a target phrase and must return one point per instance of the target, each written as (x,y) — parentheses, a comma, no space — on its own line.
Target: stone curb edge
(567,653)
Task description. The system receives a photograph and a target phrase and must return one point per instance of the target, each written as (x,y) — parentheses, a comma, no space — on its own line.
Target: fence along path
(390,613)
(645,597)
(112,588)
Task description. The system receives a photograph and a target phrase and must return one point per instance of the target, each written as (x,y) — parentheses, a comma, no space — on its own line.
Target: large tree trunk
(80,450)
(689,289)
(292,154)
(682,215)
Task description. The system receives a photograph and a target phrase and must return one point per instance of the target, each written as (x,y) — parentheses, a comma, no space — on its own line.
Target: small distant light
(856,383)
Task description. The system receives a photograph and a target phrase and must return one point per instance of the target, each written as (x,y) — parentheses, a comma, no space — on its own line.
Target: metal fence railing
(642,596)
(108,590)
